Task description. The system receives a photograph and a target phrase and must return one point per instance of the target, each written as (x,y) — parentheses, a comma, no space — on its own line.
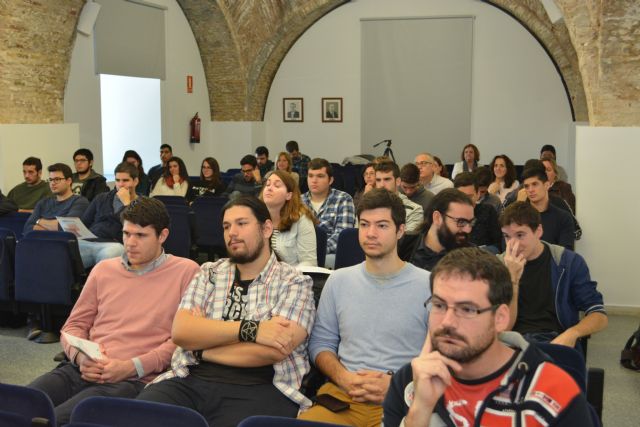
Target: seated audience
(6,205)
(504,177)
(102,217)
(33,189)
(156,172)
(241,328)
(62,203)
(370,320)
(369,176)
(484,178)
(470,370)
(557,187)
(410,186)
(469,157)
(551,284)
(248,181)
(294,235)
(87,182)
(264,164)
(429,177)
(210,183)
(486,231)
(447,226)
(549,150)
(388,177)
(441,168)
(333,208)
(174,180)
(144,185)
(557,224)
(300,162)
(284,163)
(127,307)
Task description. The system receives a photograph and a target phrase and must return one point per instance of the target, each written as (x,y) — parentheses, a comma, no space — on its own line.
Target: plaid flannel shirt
(279,290)
(336,214)
(301,165)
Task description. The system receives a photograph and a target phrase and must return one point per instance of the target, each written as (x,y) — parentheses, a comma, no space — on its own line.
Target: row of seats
(22,406)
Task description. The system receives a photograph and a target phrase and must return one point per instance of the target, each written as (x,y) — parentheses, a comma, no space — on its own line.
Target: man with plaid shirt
(241,328)
(334,208)
(300,162)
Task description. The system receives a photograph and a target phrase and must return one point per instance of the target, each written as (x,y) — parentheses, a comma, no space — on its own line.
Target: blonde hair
(286,156)
(293,209)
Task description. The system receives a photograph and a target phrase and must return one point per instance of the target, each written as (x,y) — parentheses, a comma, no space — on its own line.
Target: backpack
(630,355)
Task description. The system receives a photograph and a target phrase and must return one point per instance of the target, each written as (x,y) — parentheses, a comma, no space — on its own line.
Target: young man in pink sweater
(127,307)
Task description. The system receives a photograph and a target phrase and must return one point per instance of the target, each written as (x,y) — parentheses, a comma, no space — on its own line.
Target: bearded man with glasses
(472,372)
(448,224)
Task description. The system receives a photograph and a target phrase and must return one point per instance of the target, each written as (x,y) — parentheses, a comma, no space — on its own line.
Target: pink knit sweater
(131,315)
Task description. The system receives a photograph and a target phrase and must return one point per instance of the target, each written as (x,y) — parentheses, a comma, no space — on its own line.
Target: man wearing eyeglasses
(448,224)
(472,372)
(62,203)
(388,177)
(247,181)
(87,182)
(428,176)
(370,318)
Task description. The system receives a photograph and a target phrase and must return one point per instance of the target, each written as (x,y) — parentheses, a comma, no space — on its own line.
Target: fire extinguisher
(194,124)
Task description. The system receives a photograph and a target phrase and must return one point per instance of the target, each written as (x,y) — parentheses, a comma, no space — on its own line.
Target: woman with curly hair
(504,176)
(294,235)
(174,180)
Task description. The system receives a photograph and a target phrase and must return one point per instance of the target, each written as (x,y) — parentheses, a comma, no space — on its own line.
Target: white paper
(313,269)
(74,225)
(89,348)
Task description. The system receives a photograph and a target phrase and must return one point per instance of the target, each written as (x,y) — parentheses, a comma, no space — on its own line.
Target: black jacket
(93,185)
(6,205)
(102,220)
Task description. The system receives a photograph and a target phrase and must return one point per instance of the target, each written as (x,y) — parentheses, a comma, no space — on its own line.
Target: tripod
(388,152)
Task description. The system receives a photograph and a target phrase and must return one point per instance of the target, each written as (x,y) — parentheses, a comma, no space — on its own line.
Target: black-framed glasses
(438,307)
(423,163)
(56,180)
(463,222)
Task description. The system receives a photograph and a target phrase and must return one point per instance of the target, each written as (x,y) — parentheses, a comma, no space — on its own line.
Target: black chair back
(179,241)
(208,219)
(31,404)
(15,222)
(321,245)
(348,252)
(7,264)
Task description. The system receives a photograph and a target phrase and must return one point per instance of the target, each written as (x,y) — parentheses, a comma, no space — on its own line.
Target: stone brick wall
(243,42)
(36,39)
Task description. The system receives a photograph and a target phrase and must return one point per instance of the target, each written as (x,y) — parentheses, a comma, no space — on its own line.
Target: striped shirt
(279,290)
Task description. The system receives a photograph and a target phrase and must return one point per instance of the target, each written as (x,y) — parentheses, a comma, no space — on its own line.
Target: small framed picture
(332,110)
(292,110)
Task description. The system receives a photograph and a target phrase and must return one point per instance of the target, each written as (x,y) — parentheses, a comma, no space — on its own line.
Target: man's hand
(276,333)
(431,377)
(522,195)
(493,188)
(114,370)
(125,195)
(90,370)
(515,262)
(370,386)
(568,338)
(256,175)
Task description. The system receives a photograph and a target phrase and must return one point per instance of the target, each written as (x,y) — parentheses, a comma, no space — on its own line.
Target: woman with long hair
(131,156)
(210,183)
(469,157)
(174,180)
(504,177)
(284,163)
(440,167)
(558,187)
(294,235)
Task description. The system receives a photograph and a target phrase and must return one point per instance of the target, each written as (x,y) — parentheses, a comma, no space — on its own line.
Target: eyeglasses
(80,160)
(247,171)
(438,307)
(56,180)
(463,222)
(423,163)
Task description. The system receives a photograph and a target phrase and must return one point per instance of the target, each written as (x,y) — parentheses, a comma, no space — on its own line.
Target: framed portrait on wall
(332,110)
(292,110)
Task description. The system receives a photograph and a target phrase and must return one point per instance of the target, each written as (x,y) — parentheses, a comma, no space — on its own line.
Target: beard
(245,258)
(450,240)
(467,354)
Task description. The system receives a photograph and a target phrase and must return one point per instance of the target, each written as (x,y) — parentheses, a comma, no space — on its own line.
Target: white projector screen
(129,40)
(416,85)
